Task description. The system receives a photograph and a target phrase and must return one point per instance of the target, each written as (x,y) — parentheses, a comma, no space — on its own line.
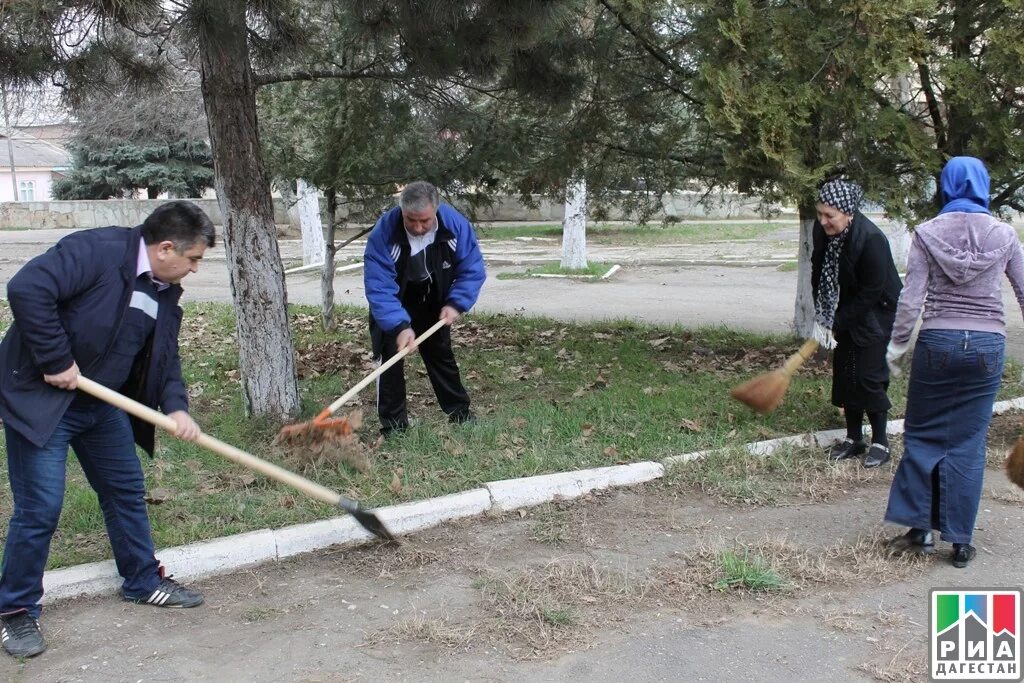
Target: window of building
(27,190)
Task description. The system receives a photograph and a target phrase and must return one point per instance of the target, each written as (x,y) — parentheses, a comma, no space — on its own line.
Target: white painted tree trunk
(574,225)
(899,244)
(307,205)
(803,317)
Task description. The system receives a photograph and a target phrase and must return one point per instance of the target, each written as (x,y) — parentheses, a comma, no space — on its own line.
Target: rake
(366,518)
(325,429)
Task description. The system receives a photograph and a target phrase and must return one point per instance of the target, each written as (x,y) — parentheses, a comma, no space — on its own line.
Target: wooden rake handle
(236,455)
(331,409)
(794,362)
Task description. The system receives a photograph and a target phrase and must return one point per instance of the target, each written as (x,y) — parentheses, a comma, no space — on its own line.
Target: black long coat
(869,285)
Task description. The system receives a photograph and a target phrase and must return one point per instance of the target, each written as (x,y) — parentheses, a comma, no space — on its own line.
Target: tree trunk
(574,225)
(803,317)
(308,206)
(266,356)
(327,279)
(899,244)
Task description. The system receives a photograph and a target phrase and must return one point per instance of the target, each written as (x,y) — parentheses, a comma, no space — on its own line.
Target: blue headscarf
(965,186)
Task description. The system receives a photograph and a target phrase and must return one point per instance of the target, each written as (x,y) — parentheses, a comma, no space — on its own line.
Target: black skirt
(860,375)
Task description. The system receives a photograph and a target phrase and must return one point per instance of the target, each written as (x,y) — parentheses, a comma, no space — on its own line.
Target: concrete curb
(222,555)
(511,494)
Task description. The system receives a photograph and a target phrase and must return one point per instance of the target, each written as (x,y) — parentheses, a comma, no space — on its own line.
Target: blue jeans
(101,437)
(954,378)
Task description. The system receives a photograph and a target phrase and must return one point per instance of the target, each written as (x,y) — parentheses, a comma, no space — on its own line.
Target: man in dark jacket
(422,264)
(856,287)
(103,302)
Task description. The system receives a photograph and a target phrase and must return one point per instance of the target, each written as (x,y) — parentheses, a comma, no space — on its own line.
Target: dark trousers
(101,437)
(439,360)
(954,377)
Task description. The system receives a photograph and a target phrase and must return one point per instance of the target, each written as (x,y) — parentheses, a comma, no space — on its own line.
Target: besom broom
(765,392)
(1015,463)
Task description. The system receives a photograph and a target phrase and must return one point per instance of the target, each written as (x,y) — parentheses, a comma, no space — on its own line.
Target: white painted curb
(424,514)
(511,494)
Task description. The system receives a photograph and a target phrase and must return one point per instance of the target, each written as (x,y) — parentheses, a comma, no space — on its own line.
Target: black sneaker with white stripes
(21,634)
(170,593)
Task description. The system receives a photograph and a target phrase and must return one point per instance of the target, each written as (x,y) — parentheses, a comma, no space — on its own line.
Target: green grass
(592,272)
(651,233)
(550,397)
(747,572)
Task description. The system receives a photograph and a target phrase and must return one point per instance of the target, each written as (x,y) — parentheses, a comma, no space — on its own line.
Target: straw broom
(765,392)
(1015,463)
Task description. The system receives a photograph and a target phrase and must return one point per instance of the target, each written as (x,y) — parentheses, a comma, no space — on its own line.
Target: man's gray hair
(418,195)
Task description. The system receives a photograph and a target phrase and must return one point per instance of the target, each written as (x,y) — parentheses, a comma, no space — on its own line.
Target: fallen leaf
(396,484)
(691,425)
(731,434)
(587,429)
(158,496)
(612,452)
(579,393)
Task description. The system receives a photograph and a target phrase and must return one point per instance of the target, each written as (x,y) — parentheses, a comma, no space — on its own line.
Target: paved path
(685,284)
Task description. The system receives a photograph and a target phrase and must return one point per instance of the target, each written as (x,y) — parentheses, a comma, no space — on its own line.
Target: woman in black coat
(856,288)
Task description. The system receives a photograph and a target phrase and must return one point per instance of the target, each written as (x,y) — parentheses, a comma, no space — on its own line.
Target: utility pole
(10,144)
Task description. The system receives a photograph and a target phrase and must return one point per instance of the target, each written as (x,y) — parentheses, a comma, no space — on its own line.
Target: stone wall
(97,213)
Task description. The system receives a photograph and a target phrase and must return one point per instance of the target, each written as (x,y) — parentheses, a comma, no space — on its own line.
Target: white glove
(893,354)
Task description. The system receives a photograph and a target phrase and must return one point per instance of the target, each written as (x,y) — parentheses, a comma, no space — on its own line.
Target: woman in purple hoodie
(954,270)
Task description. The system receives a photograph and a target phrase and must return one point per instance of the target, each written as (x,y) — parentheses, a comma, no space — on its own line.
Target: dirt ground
(624,585)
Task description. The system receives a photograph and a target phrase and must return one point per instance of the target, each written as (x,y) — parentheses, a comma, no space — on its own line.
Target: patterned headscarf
(842,195)
(827,301)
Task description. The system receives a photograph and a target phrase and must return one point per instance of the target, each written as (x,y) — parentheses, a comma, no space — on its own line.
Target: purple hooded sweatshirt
(957,261)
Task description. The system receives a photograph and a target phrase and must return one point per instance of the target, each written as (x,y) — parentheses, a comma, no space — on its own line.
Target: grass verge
(592,273)
(619,234)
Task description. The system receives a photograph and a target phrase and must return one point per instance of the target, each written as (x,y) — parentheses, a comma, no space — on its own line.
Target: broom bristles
(765,392)
(1015,464)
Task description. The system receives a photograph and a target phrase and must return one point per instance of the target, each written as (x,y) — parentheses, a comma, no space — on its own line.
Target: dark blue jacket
(459,268)
(68,305)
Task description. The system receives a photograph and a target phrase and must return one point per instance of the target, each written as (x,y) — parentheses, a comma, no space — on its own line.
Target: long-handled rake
(325,429)
(765,392)
(366,518)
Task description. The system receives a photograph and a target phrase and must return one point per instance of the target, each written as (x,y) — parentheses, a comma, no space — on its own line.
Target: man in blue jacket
(103,302)
(422,264)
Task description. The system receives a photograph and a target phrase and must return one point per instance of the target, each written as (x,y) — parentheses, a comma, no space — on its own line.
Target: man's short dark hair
(181,222)
(416,196)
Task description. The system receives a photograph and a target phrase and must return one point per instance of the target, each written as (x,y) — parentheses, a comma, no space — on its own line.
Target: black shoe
(877,456)
(170,593)
(390,430)
(962,554)
(465,417)
(21,635)
(847,448)
(915,541)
